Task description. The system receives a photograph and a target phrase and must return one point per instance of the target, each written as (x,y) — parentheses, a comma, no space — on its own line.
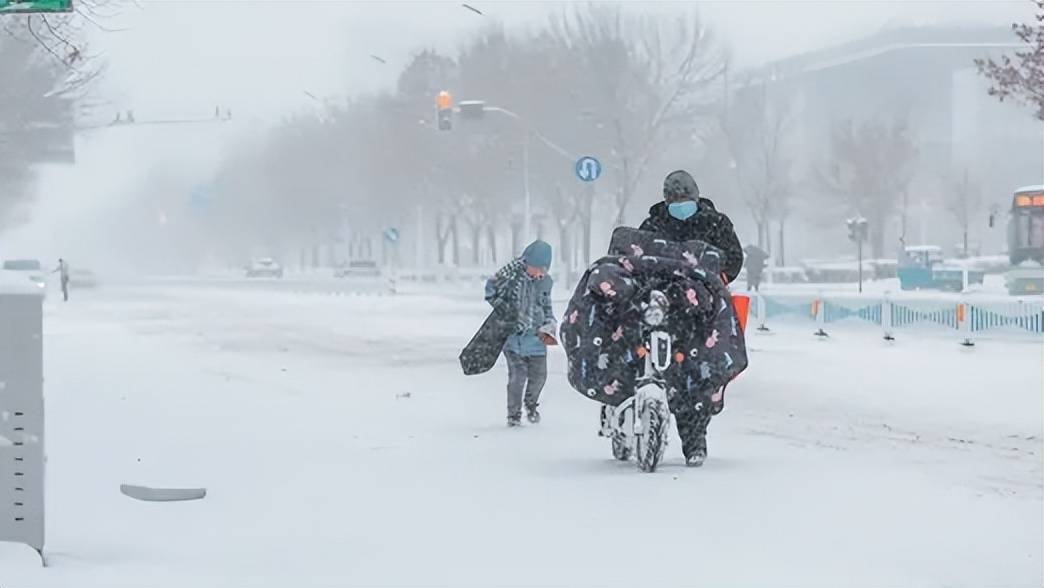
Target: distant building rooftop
(888,41)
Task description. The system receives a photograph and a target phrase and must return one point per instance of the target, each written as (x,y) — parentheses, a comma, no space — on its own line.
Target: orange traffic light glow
(444,101)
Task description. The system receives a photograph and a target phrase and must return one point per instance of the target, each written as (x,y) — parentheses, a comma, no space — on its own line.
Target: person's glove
(547,336)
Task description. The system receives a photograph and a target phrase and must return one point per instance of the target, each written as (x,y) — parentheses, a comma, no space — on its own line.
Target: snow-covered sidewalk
(341,446)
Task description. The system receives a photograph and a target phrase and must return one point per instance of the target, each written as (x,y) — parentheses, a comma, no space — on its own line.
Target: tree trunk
(441,237)
(764,229)
(902,224)
(782,256)
(585,221)
(622,198)
(476,237)
(516,232)
(456,241)
(564,248)
(445,231)
(491,238)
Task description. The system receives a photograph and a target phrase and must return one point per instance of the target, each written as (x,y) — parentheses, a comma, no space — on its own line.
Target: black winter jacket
(706,225)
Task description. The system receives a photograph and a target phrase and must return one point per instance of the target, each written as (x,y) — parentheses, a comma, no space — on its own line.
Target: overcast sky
(260,56)
(179,58)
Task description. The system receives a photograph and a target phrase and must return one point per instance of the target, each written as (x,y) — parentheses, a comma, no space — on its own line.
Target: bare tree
(47,72)
(380,156)
(964,201)
(756,135)
(36,115)
(871,166)
(650,80)
(1020,79)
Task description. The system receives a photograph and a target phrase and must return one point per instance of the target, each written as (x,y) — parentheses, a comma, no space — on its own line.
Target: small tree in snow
(964,199)
(870,166)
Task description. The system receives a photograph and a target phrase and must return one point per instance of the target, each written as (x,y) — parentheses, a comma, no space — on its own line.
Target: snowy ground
(341,446)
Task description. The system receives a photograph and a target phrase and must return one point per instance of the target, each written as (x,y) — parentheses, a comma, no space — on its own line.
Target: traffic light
(857,229)
(444,106)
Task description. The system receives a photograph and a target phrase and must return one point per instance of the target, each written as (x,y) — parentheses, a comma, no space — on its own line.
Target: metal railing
(965,317)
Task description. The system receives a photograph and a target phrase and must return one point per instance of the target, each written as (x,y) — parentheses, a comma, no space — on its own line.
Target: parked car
(264,267)
(82,278)
(31,268)
(358,268)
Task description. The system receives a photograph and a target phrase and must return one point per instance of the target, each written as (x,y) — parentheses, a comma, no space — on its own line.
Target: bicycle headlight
(654,316)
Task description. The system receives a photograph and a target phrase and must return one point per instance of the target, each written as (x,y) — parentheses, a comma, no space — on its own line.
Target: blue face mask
(682,210)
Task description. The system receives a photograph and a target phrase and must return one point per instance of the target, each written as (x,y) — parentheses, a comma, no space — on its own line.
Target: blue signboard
(588,169)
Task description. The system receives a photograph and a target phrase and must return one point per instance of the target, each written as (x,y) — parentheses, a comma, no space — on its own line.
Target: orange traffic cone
(741,304)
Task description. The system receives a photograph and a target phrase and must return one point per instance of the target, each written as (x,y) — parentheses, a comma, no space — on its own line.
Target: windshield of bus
(1029,228)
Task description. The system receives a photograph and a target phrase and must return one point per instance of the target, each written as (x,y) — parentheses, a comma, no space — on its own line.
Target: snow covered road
(341,446)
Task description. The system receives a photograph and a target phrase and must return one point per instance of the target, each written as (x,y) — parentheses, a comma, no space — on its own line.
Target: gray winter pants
(525,374)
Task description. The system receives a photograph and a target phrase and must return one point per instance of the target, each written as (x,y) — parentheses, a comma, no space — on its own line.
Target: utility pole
(527,208)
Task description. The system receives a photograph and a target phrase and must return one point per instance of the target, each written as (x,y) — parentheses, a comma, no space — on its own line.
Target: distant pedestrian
(756,262)
(63,271)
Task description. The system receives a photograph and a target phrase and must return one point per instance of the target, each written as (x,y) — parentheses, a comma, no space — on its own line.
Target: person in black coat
(757,261)
(684,216)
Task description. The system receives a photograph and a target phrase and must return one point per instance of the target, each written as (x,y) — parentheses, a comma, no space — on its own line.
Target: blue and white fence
(965,317)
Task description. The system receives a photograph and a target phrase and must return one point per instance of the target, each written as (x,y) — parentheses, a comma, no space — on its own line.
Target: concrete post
(21,413)
(886,317)
(819,311)
(761,312)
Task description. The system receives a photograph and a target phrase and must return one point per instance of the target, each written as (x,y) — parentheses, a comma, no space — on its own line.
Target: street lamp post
(476,109)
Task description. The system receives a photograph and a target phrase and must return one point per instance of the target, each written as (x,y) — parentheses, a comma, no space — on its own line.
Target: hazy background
(179,59)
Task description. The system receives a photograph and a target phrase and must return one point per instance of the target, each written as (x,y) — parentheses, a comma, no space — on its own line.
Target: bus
(1026,240)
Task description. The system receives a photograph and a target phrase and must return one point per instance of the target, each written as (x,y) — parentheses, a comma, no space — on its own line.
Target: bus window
(1029,230)
(1035,238)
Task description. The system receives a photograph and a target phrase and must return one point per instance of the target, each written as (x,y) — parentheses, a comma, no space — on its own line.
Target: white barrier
(966,317)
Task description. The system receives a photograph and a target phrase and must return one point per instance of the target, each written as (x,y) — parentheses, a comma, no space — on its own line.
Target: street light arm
(548,142)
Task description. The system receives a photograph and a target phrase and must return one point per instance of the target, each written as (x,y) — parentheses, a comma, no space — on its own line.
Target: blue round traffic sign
(588,169)
(391,234)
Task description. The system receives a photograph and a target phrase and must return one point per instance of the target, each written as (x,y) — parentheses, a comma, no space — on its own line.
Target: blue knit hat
(538,254)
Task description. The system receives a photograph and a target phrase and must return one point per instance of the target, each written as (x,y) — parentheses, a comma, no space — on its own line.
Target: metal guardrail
(965,317)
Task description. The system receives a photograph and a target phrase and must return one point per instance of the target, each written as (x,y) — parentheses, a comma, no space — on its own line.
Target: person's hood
(679,186)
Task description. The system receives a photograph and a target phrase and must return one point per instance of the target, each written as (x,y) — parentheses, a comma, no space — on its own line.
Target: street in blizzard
(538,294)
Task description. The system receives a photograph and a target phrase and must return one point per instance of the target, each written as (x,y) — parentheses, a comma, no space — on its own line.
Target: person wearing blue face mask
(684,216)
